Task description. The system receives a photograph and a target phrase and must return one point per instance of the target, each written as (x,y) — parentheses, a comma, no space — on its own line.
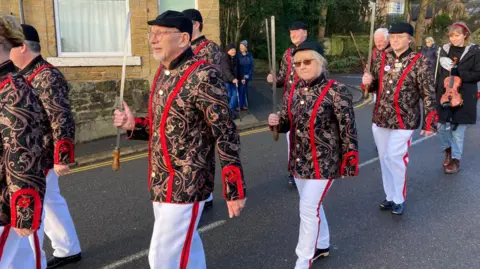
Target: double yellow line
(144,155)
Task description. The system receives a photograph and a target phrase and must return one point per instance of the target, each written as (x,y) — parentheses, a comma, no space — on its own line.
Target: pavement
(260,106)
(439,230)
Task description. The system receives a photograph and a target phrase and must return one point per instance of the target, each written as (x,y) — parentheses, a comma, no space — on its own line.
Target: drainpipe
(22,16)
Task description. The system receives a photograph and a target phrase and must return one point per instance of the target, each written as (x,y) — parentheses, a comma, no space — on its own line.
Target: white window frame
(89,54)
(158,4)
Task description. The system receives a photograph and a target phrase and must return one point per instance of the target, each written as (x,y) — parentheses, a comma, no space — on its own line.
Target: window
(91,27)
(396,8)
(177,5)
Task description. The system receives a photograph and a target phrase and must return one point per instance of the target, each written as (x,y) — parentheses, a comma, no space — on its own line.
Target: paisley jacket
(286,75)
(323,134)
(58,123)
(400,89)
(188,118)
(207,50)
(22,178)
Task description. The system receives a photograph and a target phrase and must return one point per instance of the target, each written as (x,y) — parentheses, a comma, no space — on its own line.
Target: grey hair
(430,39)
(33,46)
(384,31)
(322,62)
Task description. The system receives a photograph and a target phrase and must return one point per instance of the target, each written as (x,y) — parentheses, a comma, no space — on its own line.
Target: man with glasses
(188,118)
(401,77)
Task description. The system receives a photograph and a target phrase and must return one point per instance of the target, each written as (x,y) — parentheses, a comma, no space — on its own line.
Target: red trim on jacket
(380,85)
(38,256)
(60,146)
(289,70)
(232,174)
(188,240)
(32,76)
(354,161)
(399,87)
(5,82)
(201,46)
(431,118)
(312,127)
(4,238)
(37,207)
(163,122)
(150,121)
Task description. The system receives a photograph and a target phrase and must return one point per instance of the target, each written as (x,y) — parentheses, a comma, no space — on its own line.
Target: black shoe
(291,180)
(56,262)
(321,253)
(386,205)
(208,205)
(398,209)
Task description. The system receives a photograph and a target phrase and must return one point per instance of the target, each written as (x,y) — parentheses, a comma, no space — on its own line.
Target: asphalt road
(439,229)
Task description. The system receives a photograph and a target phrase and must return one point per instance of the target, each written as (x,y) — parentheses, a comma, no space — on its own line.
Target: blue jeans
(232,96)
(453,139)
(243,91)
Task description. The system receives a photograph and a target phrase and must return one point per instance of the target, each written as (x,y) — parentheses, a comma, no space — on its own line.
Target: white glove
(446,63)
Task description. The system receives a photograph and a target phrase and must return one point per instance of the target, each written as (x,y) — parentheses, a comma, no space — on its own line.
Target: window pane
(177,5)
(92,26)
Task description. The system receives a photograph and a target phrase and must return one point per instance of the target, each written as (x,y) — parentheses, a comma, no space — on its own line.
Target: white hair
(384,31)
(430,39)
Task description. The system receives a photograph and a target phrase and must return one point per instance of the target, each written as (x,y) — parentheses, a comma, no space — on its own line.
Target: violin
(451,97)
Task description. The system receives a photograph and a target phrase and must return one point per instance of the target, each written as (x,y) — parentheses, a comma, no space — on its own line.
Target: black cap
(309,45)
(230,46)
(298,25)
(193,14)
(174,19)
(30,33)
(400,28)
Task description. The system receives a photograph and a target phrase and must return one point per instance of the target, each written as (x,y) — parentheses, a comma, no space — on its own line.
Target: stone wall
(94,88)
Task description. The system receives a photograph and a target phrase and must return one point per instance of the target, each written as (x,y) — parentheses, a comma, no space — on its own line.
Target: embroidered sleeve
(215,54)
(427,92)
(343,109)
(22,137)
(282,73)
(141,130)
(53,92)
(212,101)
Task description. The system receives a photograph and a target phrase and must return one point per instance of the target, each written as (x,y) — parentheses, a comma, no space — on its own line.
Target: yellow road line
(144,155)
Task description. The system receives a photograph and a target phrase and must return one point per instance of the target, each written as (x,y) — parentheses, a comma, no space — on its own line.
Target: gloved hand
(446,63)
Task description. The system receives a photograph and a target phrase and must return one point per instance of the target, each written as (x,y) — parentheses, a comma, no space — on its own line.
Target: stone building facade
(84,39)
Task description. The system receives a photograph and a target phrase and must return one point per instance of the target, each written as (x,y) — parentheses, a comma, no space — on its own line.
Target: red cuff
(64,146)
(23,199)
(431,118)
(232,175)
(141,121)
(353,156)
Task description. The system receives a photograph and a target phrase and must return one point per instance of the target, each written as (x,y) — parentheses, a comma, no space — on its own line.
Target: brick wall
(91,99)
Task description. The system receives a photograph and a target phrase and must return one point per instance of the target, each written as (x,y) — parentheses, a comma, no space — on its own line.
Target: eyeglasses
(306,62)
(160,34)
(398,37)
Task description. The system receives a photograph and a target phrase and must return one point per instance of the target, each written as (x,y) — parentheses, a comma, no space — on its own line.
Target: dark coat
(246,66)
(229,66)
(431,54)
(469,71)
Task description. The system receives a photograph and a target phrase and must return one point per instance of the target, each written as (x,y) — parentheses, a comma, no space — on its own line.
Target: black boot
(56,262)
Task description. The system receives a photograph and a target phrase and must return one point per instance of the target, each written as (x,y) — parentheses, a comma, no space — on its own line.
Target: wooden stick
(274,72)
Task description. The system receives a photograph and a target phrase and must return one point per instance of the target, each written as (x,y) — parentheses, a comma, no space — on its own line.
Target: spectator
(430,51)
(245,72)
(229,65)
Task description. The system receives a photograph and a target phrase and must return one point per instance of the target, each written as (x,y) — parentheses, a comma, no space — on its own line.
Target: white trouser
(10,246)
(28,251)
(393,155)
(176,243)
(313,232)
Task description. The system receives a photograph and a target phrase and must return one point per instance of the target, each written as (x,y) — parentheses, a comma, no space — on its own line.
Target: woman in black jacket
(430,51)
(453,121)
(229,66)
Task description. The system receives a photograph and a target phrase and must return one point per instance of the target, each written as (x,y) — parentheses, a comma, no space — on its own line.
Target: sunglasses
(306,62)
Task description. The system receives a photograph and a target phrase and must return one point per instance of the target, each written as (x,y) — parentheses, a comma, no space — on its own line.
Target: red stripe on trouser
(189,238)
(318,216)
(405,161)
(38,256)
(3,239)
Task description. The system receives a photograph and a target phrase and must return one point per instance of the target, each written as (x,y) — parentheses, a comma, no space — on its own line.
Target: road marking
(144,155)
(220,223)
(144,253)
